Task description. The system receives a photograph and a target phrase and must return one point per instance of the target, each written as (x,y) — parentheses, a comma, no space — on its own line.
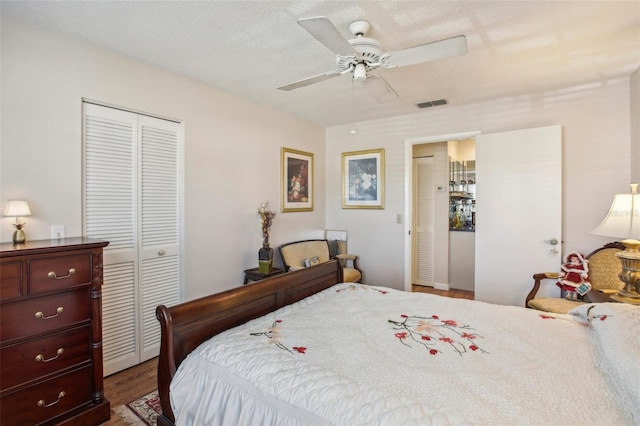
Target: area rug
(142,411)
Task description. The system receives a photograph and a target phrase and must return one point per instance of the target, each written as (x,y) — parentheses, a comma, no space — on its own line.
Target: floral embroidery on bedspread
(433,333)
(588,317)
(274,336)
(354,287)
(591,317)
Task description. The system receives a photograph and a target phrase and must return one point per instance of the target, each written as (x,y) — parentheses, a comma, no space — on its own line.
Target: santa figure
(574,278)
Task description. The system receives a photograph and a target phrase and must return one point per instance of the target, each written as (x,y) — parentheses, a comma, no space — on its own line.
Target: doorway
(132,190)
(437,147)
(449,206)
(519,209)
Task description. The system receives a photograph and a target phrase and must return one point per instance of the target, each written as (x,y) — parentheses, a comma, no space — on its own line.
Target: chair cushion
(350,275)
(554,305)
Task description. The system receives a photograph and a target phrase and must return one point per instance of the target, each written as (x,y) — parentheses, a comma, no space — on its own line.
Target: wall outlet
(57,232)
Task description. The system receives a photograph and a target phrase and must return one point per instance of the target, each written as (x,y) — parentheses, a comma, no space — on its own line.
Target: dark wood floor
(137,381)
(458,294)
(129,385)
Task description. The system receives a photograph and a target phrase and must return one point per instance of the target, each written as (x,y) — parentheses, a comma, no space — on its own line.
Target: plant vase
(265,259)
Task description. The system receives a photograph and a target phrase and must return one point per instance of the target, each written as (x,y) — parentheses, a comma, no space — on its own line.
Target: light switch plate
(336,235)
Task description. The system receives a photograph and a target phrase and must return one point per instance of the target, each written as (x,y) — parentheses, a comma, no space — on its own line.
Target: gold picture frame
(296,180)
(363,179)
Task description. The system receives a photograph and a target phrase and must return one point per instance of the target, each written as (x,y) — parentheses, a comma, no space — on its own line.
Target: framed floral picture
(297,180)
(363,179)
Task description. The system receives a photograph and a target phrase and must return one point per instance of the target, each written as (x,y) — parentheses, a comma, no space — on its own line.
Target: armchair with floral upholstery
(604,268)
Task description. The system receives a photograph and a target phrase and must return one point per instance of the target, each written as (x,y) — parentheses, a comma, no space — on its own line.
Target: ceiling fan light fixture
(362,55)
(360,72)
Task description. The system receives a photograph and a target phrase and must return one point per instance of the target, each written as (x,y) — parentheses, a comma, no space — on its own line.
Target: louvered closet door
(132,199)
(423,235)
(109,213)
(159,207)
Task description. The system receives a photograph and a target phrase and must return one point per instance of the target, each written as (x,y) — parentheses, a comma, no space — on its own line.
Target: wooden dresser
(51,333)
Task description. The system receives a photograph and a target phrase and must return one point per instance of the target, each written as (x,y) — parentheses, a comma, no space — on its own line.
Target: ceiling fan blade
(309,81)
(446,48)
(379,89)
(326,33)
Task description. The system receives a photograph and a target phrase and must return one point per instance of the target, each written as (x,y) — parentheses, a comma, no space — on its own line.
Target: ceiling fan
(361,55)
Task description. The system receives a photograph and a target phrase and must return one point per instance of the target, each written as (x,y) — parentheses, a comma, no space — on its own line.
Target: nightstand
(622,299)
(600,297)
(254,274)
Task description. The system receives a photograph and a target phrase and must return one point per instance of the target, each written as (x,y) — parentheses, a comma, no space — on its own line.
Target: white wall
(596,151)
(232,150)
(635,126)
(233,154)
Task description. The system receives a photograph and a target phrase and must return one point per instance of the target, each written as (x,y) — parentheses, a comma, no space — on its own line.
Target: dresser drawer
(58,272)
(47,399)
(10,279)
(43,314)
(28,361)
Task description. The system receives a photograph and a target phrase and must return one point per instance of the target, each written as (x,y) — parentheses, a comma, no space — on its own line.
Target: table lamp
(17,209)
(623,221)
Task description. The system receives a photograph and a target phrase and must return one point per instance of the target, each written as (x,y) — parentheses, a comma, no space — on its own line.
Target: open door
(518,212)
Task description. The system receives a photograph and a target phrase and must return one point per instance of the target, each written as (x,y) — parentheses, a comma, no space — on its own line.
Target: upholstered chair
(303,254)
(604,267)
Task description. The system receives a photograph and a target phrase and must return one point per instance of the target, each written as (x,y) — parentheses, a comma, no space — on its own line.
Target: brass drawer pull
(53,274)
(41,403)
(41,357)
(40,315)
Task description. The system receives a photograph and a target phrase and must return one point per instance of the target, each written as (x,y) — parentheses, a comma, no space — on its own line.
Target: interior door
(518,211)
(159,210)
(110,154)
(423,216)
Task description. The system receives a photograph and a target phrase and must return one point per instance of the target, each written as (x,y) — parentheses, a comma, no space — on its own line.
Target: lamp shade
(17,208)
(623,219)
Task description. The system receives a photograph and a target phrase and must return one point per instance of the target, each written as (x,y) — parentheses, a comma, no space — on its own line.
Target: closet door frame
(129,260)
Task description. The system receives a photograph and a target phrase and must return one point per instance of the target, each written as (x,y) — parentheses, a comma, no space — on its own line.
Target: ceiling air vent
(432,103)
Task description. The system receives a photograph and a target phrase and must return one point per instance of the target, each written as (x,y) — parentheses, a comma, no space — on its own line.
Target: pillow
(311,261)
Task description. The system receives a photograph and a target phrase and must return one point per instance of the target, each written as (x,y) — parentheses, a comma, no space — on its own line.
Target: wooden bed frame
(185,326)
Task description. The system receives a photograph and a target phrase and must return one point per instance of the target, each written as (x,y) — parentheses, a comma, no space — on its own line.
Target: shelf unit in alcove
(462,183)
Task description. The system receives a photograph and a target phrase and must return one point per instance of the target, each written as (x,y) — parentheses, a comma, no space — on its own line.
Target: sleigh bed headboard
(185,326)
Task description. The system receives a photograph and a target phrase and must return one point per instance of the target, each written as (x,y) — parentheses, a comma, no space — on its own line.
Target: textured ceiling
(249,48)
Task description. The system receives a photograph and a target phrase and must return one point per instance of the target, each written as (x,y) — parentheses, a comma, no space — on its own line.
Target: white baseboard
(440,286)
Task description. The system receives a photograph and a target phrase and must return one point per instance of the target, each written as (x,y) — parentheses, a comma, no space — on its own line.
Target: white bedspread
(361,355)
